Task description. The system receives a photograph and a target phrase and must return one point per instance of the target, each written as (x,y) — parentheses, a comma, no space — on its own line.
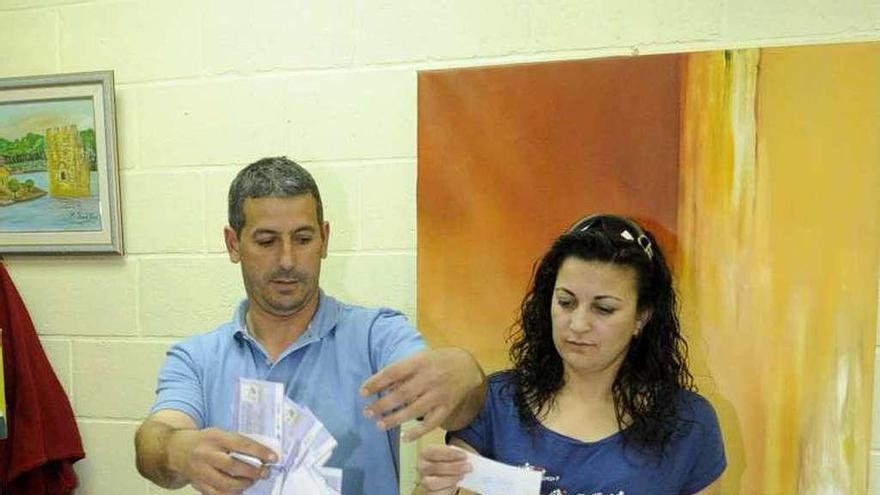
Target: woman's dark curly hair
(654,368)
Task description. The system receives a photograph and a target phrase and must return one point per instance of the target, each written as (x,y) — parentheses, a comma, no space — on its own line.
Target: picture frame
(59,170)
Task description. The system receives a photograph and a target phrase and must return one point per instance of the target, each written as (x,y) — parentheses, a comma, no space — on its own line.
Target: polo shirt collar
(323,322)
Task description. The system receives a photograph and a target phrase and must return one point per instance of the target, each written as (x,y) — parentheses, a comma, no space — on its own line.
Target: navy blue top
(694,459)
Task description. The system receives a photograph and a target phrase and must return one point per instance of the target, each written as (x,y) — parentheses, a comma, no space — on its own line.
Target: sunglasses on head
(615,228)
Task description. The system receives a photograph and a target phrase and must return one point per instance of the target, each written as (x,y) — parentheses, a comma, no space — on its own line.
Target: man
(327,353)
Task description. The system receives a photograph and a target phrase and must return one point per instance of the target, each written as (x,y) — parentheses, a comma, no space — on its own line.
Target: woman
(600,397)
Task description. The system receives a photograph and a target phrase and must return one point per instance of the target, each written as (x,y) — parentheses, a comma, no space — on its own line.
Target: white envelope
(490,477)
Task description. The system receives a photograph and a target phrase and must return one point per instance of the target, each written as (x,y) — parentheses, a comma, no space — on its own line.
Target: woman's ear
(642,319)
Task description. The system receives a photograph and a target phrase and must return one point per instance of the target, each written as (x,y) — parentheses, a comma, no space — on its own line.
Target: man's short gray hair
(274,177)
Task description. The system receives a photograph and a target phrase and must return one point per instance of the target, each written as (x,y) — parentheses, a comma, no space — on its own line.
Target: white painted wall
(206,86)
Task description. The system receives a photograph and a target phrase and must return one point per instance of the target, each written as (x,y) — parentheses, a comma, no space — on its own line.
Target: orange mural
(758,170)
(511,156)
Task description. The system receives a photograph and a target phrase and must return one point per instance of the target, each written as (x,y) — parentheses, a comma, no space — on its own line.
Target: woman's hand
(440,468)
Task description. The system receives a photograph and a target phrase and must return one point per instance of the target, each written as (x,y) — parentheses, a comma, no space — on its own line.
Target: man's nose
(287,257)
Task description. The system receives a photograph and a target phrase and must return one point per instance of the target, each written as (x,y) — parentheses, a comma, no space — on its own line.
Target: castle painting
(48,166)
(66,163)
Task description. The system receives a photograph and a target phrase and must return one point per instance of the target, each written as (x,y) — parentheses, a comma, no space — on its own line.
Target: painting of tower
(66,163)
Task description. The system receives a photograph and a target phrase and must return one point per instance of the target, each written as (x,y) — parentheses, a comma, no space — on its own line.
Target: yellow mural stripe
(717,224)
(779,255)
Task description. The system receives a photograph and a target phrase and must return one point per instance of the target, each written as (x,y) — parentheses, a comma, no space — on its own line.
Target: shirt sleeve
(711,460)
(180,384)
(392,337)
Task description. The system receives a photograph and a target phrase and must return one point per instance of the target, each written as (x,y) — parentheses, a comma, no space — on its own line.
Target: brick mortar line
(37,8)
(222,254)
(323,163)
(118,339)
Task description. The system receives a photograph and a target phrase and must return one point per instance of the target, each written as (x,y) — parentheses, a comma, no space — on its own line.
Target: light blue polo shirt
(323,370)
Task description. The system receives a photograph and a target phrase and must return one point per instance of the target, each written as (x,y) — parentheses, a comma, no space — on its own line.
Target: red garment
(43,443)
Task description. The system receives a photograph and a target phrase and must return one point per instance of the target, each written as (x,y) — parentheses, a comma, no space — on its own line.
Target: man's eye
(265,242)
(304,240)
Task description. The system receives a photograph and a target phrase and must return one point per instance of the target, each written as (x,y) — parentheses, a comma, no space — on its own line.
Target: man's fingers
(221,482)
(430,421)
(403,394)
(389,375)
(240,469)
(202,488)
(248,446)
(420,408)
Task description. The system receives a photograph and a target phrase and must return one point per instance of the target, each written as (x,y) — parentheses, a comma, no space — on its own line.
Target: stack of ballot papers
(261,411)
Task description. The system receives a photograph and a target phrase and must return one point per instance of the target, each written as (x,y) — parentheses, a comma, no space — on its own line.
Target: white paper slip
(490,477)
(247,459)
(304,480)
(253,461)
(333,477)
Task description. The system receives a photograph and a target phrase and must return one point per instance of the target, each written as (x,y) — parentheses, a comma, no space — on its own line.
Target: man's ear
(325,234)
(232,244)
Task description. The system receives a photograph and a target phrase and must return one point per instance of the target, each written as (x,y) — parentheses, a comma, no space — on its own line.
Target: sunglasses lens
(616,229)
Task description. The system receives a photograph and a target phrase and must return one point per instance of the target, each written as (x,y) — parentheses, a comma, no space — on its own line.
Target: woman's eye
(604,310)
(565,303)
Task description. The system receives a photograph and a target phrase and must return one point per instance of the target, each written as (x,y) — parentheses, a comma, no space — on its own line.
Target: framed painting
(59,175)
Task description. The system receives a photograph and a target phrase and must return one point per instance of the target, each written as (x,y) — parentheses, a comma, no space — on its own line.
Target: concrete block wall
(206,86)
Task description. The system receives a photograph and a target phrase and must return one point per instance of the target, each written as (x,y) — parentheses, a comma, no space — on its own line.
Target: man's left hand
(444,387)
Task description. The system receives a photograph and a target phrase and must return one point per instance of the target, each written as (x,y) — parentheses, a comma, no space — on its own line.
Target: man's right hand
(202,457)
(171,452)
